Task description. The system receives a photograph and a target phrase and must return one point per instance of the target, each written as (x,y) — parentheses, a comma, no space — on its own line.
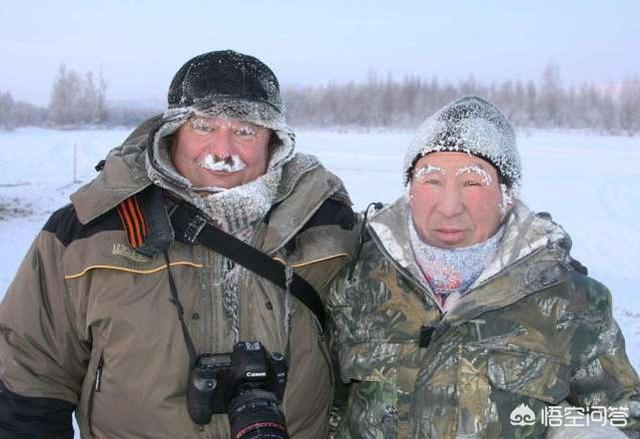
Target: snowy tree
(551,95)
(15,113)
(630,106)
(6,111)
(77,100)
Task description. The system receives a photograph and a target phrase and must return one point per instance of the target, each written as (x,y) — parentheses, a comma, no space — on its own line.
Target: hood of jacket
(305,184)
(531,242)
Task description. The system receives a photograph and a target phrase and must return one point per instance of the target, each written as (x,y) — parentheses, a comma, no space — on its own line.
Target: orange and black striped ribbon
(133,221)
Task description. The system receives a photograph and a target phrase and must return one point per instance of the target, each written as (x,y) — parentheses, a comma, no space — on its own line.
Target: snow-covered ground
(590,184)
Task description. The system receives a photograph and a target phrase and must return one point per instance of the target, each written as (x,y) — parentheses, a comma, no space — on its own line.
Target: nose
(221,143)
(450,202)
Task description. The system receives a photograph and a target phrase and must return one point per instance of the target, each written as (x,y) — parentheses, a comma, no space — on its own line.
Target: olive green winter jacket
(531,330)
(89,321)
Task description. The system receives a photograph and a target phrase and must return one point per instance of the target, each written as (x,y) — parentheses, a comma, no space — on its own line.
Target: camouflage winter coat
(531,330)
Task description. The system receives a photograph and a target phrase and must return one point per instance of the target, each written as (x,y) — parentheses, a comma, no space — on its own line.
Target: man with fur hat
(463,314)
(203,234)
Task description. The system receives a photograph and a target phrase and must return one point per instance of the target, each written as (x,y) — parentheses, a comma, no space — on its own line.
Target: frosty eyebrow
(423,171)
(478,170)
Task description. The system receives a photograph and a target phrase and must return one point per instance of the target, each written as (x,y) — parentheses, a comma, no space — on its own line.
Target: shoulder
(595,295)
(332,211)
(304,174)
(64,224)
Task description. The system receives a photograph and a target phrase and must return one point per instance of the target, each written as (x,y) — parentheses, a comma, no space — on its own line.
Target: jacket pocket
(96,387)
(369,360)
(530,374)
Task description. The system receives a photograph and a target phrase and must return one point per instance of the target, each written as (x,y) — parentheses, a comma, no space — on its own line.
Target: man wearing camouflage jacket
(464,314)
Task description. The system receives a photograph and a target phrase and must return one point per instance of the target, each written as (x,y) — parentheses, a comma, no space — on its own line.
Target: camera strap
(191,227)
(191,349)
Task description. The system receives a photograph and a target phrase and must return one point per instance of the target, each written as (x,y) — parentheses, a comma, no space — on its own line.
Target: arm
(24,417)
(41,358)
(366,398)
(603,375)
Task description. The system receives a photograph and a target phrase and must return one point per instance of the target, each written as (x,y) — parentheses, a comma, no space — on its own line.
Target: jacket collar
(390,226)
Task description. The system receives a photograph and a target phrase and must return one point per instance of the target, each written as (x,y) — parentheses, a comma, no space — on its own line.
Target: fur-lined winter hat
(225,84)
(470,125)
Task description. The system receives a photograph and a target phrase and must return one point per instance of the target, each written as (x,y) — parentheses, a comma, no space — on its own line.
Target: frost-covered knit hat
(231,85)
(225,76)
(472,125)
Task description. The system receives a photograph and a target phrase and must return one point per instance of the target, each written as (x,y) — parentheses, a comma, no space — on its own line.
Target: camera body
(247,373)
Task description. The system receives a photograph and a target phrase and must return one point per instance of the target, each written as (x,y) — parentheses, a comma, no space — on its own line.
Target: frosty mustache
(215,163)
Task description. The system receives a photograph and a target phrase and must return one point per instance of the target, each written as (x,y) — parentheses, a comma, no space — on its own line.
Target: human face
(455,199)
(218,152)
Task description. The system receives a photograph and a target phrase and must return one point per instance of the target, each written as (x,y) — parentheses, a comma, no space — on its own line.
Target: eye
(201,126)
(428,180)
(470,183)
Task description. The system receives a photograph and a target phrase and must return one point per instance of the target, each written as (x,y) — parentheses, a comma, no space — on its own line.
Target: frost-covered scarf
(452,270)
(236,210)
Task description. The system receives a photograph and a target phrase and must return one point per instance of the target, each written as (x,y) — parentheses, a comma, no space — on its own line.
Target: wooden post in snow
(75,163)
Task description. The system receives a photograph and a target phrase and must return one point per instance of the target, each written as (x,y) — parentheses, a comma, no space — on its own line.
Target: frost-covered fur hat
(224,84)
(470,125)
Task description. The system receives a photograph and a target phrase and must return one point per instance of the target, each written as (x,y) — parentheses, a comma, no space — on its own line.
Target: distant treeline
(79,100)
(612,109)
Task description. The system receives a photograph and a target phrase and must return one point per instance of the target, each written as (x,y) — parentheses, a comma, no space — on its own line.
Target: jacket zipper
(97,385)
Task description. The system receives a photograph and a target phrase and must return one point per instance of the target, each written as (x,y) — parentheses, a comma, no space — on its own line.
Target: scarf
(452,270)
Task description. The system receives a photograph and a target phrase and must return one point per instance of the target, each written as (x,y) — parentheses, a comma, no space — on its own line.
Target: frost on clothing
(470,125)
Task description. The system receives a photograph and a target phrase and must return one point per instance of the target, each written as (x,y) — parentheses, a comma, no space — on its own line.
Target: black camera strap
(191,227)
(191,349)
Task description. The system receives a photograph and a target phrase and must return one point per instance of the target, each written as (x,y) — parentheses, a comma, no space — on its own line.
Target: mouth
(220,172)
(450,234)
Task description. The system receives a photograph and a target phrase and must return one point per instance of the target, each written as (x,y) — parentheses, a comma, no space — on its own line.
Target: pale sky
(139,45)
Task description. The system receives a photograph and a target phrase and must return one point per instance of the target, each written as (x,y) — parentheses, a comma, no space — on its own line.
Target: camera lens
(256,414)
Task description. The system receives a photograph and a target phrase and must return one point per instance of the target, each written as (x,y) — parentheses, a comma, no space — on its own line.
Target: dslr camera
(247,384)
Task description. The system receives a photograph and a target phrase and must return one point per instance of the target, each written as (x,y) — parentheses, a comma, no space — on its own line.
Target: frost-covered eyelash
(202,124)
(246,131)
(475,169)
(428,169)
